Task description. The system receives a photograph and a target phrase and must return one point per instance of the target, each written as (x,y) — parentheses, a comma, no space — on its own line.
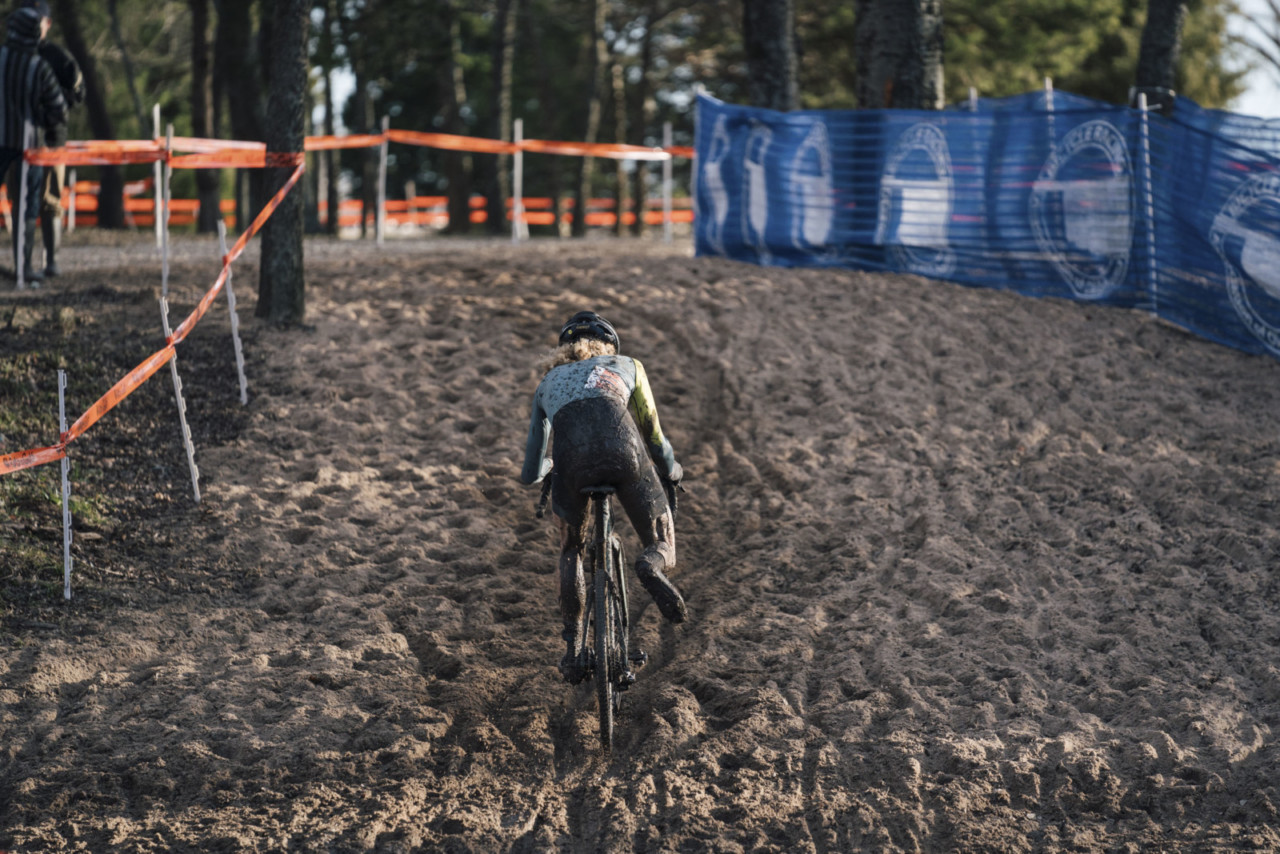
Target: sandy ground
(966,571)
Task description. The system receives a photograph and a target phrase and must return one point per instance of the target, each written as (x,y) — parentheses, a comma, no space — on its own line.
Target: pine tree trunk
(281,285)
(330,159)
(145,131)
(111,183)
(620,199)
(236,63)
(768,30)
(457,164)
(599,52)
(503,67)
(207,180)
(1158,56)
(643,108)
(899,49)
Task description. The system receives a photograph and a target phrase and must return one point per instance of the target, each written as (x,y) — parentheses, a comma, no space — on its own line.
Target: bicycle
(607,613)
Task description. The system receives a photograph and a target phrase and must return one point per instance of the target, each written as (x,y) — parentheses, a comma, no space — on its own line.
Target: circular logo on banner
(1251,255)
(1082,209)
(916,198)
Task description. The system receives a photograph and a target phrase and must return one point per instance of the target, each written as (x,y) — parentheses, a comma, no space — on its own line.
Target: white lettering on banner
(755,190)
(916,200)
(811,173)
(713,181)
(1085,224)
(1251,255)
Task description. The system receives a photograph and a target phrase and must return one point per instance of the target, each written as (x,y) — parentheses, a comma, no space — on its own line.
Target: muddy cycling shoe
(664,593)
(574,668)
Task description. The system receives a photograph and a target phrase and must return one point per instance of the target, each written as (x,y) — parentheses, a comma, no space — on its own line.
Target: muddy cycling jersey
(619,380)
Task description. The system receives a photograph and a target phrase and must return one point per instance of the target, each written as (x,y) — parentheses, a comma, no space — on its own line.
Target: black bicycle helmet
(588,324)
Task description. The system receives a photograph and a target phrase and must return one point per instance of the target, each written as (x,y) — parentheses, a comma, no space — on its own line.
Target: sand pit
(966,571)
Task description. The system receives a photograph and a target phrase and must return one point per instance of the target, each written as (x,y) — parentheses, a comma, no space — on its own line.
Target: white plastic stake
(973,99)
(1149,193)
(235,318)
(71,211)
(19,226)
(182,406)
(1048,105)
(157,176)
(380,216)
(666,186)
(164,215)
(66,489)
(695,166)
(519,230)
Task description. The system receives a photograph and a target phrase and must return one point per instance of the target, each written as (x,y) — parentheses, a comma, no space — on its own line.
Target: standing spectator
(55,177)
(30,97)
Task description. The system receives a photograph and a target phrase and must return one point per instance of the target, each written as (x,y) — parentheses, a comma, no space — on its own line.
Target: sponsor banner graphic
(1047,194)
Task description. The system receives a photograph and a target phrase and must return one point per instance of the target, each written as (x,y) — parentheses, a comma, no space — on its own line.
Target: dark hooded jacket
(29,89)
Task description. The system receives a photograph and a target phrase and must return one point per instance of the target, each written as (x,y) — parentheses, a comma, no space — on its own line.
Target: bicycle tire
(606,670)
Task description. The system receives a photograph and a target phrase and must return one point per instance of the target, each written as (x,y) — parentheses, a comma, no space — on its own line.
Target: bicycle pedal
(626,680)
(639,658)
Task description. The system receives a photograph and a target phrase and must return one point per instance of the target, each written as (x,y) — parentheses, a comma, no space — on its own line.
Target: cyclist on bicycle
(601,410)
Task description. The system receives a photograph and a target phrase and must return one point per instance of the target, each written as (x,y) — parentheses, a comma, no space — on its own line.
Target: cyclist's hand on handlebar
(677,473)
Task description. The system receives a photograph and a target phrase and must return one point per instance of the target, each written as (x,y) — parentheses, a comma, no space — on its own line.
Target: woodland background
(593,70)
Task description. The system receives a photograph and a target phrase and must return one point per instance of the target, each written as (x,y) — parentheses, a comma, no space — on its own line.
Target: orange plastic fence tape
(199,145)
(599,149)
(131,381)
(358,140)
(452,142)
(201,153)
(10,463)
(233,158)
(93,156)
(227,158)
(215,153)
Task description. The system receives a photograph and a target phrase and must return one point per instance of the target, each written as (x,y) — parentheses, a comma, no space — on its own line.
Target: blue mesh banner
(1047,194)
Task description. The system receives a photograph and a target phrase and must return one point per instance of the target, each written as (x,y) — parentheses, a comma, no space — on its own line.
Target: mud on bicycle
(609,658)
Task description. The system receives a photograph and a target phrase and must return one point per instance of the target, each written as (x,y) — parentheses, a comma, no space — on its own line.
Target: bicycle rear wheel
(608,648)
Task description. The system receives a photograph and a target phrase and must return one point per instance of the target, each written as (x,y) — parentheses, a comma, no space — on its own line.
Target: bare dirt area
(966,571)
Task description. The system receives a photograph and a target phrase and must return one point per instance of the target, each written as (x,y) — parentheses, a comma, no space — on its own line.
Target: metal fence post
(1149,200)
